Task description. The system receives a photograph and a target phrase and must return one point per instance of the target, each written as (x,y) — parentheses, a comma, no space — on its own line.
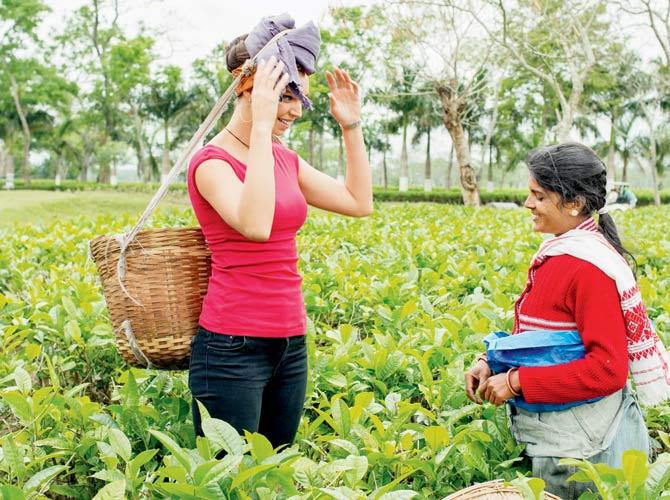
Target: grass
(36,207)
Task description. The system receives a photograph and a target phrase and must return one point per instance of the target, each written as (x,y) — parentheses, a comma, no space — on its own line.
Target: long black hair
(575,173)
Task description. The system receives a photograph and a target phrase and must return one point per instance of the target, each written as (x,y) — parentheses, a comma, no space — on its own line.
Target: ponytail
(608,229)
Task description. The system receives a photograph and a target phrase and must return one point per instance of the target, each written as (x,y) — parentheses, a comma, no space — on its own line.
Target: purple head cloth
(300,46)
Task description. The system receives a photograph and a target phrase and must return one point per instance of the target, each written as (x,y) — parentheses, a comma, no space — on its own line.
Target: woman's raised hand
(270,81)
(345,102)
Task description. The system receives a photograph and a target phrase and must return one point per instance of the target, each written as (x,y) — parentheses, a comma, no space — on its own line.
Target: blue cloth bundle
(535,348)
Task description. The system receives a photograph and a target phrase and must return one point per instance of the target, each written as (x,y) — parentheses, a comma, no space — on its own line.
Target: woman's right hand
(270,81)
(474,378)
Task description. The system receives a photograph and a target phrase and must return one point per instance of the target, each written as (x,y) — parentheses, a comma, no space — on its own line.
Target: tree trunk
(85,165)
(3,162)
(428,174)
(404,170)
(340,160)
(25,167)
(467,173)
(166,152)
(564,127)
(649,118)
(104,173)
(489,133)
(653,159)
(321,150)
(312,155)
(489,179)
(624,173)
(450,166)
(384,166)
(113,179)
(611,167)
(57,179)
(140,151)
(453,108)
(9,179)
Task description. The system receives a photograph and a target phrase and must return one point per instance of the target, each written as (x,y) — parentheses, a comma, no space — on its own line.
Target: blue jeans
(254,383)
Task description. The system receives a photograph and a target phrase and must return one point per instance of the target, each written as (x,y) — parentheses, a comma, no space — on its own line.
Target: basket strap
(134,346)
(204,129)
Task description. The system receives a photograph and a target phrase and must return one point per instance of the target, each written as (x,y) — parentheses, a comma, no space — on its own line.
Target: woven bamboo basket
(493,490)
(165,274)
(154,281)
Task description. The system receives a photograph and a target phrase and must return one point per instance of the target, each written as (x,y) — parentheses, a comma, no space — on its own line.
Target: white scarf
(648,359)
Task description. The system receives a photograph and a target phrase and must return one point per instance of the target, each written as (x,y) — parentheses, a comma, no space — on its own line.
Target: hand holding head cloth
(299,47)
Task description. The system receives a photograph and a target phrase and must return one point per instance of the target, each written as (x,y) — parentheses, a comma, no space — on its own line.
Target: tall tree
(427,117)
(129,61)
(556,41)
(402,99)
(610,94)
(19,20)
(210,80)
(440,40)
(656,89)
(89,37)
(167,98)
(355,40)
(373,133)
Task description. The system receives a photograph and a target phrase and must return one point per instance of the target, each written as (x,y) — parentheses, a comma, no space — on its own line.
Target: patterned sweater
(567,293)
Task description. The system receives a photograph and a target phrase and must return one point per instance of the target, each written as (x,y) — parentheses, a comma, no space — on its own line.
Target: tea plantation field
(398,304)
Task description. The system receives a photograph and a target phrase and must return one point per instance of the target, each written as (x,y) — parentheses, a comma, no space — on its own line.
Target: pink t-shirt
(255,287)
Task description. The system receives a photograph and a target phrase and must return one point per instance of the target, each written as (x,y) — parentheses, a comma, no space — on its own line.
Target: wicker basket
(493,490)
(155,287)
(165,274)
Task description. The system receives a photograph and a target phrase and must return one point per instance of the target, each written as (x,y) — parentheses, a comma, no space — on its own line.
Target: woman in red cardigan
(579,280)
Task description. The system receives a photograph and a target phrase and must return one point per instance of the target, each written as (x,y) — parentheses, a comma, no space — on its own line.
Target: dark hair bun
(236,53)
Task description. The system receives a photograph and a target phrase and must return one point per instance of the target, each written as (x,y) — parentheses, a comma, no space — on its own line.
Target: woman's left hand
(345,102)
(495,390)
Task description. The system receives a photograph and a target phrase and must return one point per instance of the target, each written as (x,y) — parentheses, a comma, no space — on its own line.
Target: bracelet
(509,385)
(352,125)
(483,357)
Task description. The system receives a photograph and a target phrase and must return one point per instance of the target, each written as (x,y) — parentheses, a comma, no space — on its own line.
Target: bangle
(351,126)
(509,385)
(483,357)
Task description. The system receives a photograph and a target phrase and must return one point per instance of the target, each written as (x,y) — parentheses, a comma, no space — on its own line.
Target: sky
(186,30)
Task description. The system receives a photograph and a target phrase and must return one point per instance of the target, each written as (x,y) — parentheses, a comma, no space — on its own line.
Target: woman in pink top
(250,195)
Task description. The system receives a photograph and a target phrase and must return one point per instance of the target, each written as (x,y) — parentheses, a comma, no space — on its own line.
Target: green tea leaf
(19,405)
(112,491)
(23,380)
(247,474)
(659,475)
(9,492)
(174,448)
(13,457)
(120,444)
(223,436)
(261,447)
(635,469)
(436,437)
(108,475)
(398,495)
(224,468)
(140,460)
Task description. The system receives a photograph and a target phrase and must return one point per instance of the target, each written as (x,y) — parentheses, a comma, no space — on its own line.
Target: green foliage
(451,196)
(394,322)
